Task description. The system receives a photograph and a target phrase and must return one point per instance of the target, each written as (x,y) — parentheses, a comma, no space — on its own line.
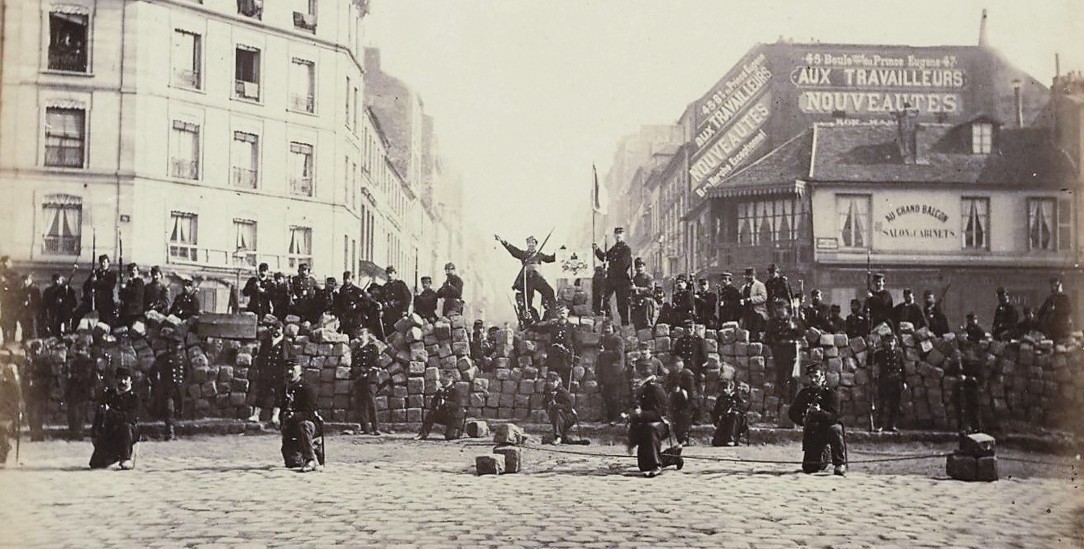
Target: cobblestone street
(232,491)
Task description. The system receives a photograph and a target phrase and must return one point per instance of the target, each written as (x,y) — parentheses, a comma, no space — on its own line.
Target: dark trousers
(814,439)
(561,420)
(450,419)
(298,442)
(755,324)
(171,407)
(538,284)
(7,431)
(968,415)
(641,317)
(612,393)
(728,429)
(37,406)
(888,410)
(684,414)
(783,357)
(267,390)
(77,417)
(113,444)
(598,291)
(366,406)
(621,288)
(646,433)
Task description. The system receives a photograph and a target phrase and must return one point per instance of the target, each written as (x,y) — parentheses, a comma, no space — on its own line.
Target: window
(68,40)
(184,157)
(246,160)
(300,169)
(982,138)
(186,59)
(300,246)
(760,222)
(302,78)
(65,130)
(244,236)
(250,8)
(63,227)
(853,212)
(182,236)
(975,225)
(1049,224)
(306,19)
(247,73)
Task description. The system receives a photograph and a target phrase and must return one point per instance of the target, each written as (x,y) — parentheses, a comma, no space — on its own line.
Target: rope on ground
(1039,462)
(739,460)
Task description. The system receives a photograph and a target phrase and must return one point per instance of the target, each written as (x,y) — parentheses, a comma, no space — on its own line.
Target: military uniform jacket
(302,288)
(559,400)
(611,359)
(99,288)
(1005,319)
(259,296)
(936,321)
(683,380)
(169,370)
(452,294)
(156,297)
(829,403)
(364,362)
(132,297)
(425,303)
(563,334)
(778,288)
(642,285)
(123,407)
(909,312)
(349,302)
(729,304)
(298,402)
(280,298)
(325,301)
(684,306)
(857,325)
(656,364)
(706,304)
(1054,315)
(815,315)
(727,403)
(530,262)
(59,302)
(879,306)
(690,347)
(397,297)
(889,363)
(449,399)
(184,306)
(272,362)
(836,324)
(618,262)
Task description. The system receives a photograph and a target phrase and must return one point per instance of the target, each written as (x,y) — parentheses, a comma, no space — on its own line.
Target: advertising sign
(916,223)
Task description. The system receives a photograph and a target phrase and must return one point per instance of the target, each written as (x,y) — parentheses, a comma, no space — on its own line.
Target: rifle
(869,352)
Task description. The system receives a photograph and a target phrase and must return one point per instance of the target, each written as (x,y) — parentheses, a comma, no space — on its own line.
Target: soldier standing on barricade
(610,371)
(396,297)
(778,288)
(270,368)
(529,280)
(836,324)
(451,292)
(258,290)
(878,303)
(302,292)
(59,304)
(1056,313)
(707,303)
(167,382)
(936,320)
(889,363)
(29,313)
(324,302)
(425,302)
(643,302)
(782,336)
(857,324)
(754,298)
(563,346)
(280,297)
(815,314)
(98,292)
(729,299)
(132,296)
(364,363)
(683,302)
(156,294)
(349,302)
(618,264)
(1005,316)
(186,304)
(909,311)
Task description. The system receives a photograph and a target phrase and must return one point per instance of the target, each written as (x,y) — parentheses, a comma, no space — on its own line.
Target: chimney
(907,133)
(982,29)
(1018,103)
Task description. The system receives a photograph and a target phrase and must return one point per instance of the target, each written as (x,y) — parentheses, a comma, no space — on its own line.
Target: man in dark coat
(59,304)
(280,297)
(683,389)
(972,330)
(730,308)
(79,380)
(889,363)
(836,324)
(168,385)
(707,303)
(683,302)
(115,431)
(558,404)
(29,312)
(649,422)
(610,370)
(857,322)
(729,414)
(816,409)
(618,265)
(936,320)
(396,297)
(324,302)
(451,292)
(1055,315)
(690,348)
(258,290)
(132,298)
(778,288)
(156,294)
(643,302)
(425,302)
(815,314)
(186,304)
(41,380)
(564,345)
(909,311)
(98,290)
(9,281)
(782,336)
(301,422)
(302,292)
(967,362)
(1005,316)
(445,408)
(878,302)
(267,373)
(350,304)
(364,362)
(529,279)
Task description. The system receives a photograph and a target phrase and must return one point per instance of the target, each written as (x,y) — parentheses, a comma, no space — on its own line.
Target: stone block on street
(488,465)
(508,433)
(513,456)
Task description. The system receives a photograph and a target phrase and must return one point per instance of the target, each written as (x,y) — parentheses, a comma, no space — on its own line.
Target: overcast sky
(526,94)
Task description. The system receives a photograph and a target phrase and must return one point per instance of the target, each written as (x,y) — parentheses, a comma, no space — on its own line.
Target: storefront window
(975,225)
(853,214)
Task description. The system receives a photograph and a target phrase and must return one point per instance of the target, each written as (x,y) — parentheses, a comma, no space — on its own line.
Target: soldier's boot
(275,416)
(171,432)
(255,417)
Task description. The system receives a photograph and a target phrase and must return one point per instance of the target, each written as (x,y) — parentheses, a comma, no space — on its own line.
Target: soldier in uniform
(324,302)
(909,311)
(836,324)
(186,304)
(936,320)
(974,332)
(778,287)
(728,414)
(11,401)
(782,336)
(1005,316)
(683,302)
(350,302)
(302,292)
(646,361)
(564,344)
(857,321)
(115,432)
(396,298)
(132,295)
(280,296)
(610,369)
(643,304)
(878,302)
(618,264)
(59,304)
(451,292)
(683,388)
(889,363)
(446,408)
(29,312)
(167,381)
(968,363)
(1028,324)
(754,299)
(364,361)
(815,314)
(1055,315)
(156,294)
(730,308)
(558,403)
(98,291)
(707,303)
(9,281)
(270,368)
(301,422)
(425,302)
(816,409)
(666,309)
(690,348)
(42,380)
(79,380)
(258,290)
(529,280)
(648,422)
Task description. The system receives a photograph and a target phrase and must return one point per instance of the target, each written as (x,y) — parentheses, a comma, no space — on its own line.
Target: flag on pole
(598,195)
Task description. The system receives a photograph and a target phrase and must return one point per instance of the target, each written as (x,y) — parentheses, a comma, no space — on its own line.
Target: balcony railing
(301,186)
(246,261)
(247,90)
(183,252)
(185,169)
(244,178)
(61,245)
(303,103)
(64,157)
(186,78)
(67,59)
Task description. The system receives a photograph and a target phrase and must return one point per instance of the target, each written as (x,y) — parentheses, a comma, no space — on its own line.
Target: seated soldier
(115,432)
(816,409)
(648,423)
(728,416)
(684,399)
(559,407)
(446,408)
(301,422)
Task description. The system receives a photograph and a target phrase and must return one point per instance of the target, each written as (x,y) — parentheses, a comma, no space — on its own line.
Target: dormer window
(982,137)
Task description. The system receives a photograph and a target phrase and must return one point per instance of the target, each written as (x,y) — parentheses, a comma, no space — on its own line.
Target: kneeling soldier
(301,422)
(446,409)
(559,407)
(816,409)
(115,431)
(728,414)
